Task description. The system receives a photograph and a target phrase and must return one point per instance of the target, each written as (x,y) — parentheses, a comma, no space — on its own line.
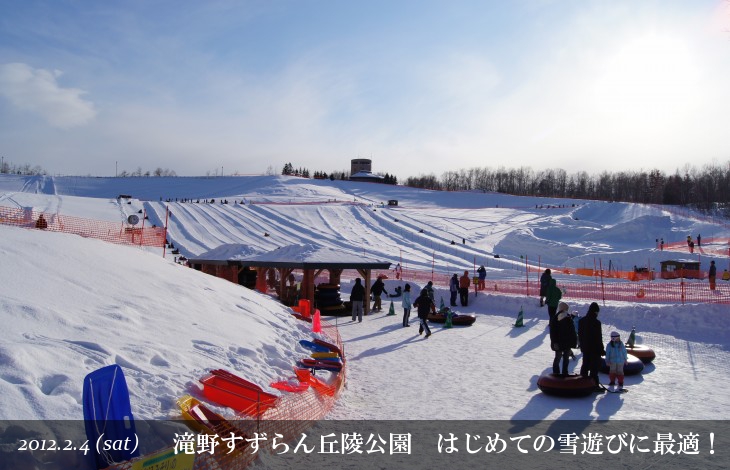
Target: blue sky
(90,87)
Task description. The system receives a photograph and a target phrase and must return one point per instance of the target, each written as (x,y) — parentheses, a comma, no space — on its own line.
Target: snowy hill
(71,305)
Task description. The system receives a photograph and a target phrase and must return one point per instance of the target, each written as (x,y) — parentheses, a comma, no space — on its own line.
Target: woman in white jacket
(406,305)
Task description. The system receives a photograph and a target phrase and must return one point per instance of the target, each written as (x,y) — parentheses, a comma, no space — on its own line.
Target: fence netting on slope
(585,287)
(120,233)
(292,415)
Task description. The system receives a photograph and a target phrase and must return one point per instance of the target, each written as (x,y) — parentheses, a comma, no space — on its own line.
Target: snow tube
(633,367)
(645,353)
(456,318)
(569,386)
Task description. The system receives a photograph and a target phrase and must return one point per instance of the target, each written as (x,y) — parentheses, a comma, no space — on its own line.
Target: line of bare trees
(702,188)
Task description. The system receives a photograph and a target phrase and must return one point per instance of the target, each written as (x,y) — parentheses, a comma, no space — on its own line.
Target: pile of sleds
(304,397)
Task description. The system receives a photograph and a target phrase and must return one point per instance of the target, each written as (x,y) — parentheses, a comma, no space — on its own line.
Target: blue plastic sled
(107,412)
(313,346)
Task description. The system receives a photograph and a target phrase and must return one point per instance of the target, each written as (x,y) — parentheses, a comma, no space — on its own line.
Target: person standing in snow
(712,274)
(482,272)
(357,295)
(562,339)
(424,306)
(616,358)
(464,283)
(544,284)
(590,337)
(377,289)
(552,298)
(41,223)
(454,289)
(406,303)
(429,290)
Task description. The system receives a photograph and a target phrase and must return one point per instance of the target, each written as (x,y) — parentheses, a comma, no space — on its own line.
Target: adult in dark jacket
(591,343)
(377,289)
(712,273)
(552,299)
(562,338)
(544,284)
(454,289)
(357,295)
(425,305)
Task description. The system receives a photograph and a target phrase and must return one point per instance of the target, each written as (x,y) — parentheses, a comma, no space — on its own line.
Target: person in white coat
(406,303)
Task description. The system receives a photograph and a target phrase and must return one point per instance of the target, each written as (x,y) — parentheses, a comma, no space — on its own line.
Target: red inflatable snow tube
(645,353)
(568,386)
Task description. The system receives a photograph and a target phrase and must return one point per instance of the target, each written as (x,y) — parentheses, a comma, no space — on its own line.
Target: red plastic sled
(234,392)
(329,346)
(320,364)
(291,385)
(305,375)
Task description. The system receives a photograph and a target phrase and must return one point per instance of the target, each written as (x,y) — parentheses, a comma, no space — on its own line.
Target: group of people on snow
(588,336)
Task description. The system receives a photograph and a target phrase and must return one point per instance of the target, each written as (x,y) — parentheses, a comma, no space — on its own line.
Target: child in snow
(616,358)
(406,305)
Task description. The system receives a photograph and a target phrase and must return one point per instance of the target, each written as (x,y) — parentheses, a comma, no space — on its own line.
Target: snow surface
(70,305)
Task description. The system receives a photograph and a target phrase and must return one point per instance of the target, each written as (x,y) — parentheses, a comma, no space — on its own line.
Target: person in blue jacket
(616,358)
(482,273)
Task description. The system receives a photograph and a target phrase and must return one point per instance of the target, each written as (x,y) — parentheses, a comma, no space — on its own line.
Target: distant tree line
(139,173)
(26,169)
(701,188)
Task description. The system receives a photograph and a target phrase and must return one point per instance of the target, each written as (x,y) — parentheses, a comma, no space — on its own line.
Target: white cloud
(37,91)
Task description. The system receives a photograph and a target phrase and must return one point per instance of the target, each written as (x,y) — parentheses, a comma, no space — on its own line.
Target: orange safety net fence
(292,415)
(120,233)
(621,287)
